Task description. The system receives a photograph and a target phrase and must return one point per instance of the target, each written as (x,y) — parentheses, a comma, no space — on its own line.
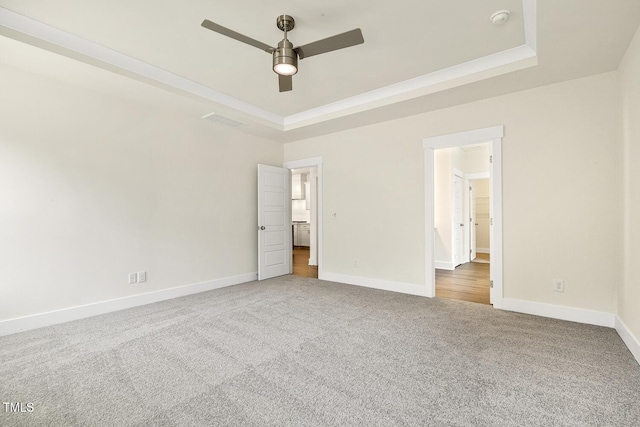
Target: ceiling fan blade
(285,83)
(340,41)
(237,36)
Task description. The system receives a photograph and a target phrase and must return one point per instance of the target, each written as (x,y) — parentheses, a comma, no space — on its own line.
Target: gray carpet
(300,352)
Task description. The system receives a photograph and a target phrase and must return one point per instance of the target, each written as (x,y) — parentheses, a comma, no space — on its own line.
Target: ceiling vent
(222,119)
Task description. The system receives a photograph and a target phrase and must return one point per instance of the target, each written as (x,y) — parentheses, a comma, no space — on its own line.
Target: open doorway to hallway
(462,226)
(304,185)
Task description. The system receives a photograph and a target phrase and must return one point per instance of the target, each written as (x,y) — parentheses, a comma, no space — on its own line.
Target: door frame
(460,174)
(317,163)
(492,135)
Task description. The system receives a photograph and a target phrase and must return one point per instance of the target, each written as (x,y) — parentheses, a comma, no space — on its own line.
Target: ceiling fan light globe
(285,69)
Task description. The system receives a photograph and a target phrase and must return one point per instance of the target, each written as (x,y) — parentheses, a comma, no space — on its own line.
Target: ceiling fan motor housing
(285,59)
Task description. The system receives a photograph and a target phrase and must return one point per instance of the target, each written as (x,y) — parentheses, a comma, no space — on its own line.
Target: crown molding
(44,36)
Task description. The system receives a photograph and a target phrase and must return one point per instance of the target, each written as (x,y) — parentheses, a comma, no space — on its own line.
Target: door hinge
(491,284)
(491,221)
(490,159)
(470,251)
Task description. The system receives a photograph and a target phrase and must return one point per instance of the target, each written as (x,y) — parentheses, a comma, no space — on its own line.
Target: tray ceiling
(411,50)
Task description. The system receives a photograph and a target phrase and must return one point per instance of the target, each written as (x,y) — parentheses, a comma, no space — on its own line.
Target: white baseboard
(312,261)
(629,339)
(483,250)
(561,312)
(385,285)
(442,265)
(35,321)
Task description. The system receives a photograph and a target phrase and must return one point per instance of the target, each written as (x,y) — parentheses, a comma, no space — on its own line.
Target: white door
(274,229)
(472,220)
(458,222)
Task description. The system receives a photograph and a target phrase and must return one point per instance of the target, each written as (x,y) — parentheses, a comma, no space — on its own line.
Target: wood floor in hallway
(301,265)
(468,282)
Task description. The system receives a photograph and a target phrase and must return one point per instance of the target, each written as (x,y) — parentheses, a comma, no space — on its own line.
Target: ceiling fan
(285,56)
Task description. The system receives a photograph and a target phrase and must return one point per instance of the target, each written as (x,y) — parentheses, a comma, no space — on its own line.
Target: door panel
(273,222)
(274,259)
(273,238)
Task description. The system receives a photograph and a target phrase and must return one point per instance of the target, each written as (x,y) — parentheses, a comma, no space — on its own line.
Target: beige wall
(443,205)
(629,294)
(94,187)
(561,180)
(457,157)
(477,160)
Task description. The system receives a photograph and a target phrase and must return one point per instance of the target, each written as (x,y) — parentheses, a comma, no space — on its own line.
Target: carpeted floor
(300,352)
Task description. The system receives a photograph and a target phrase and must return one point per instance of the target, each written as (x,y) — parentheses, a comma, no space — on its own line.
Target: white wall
(299,211)
(457,158)
(477,160)
(443,207)
(94,187)
(629,292)
(561,179)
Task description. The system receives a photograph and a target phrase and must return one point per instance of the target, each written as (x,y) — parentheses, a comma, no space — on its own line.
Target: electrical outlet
(133,278)
(558,285)
(142,276)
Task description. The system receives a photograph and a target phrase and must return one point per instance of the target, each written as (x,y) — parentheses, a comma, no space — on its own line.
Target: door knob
(262,227)
(461,225)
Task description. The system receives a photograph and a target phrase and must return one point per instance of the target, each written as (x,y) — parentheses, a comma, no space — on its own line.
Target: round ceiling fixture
(500,17)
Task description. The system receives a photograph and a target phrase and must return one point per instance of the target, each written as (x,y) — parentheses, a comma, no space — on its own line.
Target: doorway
(436,228)
(457,206)
(470,279)
(479,202)
(304,186)
(306,217)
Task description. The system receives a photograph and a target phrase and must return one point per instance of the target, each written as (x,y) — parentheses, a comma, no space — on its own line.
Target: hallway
(468,282)
(301,265)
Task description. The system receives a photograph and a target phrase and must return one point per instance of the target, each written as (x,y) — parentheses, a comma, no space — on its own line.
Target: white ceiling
(417,56)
